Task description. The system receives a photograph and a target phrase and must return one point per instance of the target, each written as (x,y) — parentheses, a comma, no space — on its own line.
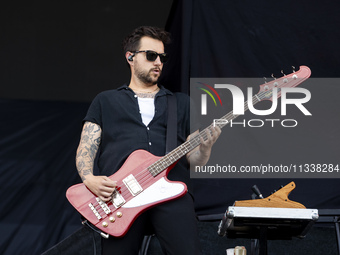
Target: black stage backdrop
(217,38)
(38,143)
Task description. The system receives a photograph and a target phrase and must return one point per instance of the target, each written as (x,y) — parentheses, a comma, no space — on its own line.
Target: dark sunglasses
(152,55)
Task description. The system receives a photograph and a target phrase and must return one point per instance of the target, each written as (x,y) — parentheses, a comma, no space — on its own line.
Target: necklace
(146,94)
(156,89)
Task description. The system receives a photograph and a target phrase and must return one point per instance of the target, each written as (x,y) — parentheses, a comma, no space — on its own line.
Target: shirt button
(147,128)
(149,143)
(135,95)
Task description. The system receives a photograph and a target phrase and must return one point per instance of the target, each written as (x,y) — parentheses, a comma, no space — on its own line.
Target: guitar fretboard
(173,156)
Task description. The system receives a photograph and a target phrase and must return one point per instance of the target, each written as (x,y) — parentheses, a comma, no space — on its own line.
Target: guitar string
(146,175)
(147,171)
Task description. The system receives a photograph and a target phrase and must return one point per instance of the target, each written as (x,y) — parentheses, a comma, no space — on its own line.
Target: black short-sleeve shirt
(117,113)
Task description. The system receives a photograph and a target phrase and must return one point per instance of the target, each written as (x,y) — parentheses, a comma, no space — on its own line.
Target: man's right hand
(101,186)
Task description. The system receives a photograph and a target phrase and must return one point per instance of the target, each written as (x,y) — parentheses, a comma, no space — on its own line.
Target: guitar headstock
(287,81)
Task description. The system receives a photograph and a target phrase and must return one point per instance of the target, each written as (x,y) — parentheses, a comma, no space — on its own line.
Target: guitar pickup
(132,184)
(117,199)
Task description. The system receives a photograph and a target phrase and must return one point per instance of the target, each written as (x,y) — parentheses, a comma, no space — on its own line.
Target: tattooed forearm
(87,149)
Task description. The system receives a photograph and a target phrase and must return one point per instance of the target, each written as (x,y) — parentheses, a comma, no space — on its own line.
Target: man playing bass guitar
(131,118)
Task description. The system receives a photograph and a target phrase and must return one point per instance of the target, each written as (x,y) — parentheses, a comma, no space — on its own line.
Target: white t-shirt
(146,109)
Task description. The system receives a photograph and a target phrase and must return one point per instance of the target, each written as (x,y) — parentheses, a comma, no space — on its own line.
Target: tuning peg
(285,80)
(273,76)
(294,76)
(265,79)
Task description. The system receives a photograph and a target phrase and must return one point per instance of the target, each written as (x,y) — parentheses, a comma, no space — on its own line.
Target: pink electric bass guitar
(142,180)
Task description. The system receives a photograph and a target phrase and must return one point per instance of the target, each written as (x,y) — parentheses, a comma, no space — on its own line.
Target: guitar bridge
(94,210)
(117,199)
(103,205)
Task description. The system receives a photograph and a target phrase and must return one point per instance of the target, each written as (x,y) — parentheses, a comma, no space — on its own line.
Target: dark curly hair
(132,41)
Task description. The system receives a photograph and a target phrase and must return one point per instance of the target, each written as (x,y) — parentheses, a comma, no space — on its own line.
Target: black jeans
(174,223)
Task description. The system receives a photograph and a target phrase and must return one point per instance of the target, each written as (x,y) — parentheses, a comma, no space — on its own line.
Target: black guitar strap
(171,133)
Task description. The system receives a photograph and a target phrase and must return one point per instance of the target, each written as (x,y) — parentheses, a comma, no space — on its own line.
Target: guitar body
(137,190)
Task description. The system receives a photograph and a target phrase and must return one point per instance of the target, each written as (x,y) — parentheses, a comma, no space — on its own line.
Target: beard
(148,77)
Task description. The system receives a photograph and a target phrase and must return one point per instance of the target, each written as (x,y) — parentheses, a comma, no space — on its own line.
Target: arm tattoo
(87,149)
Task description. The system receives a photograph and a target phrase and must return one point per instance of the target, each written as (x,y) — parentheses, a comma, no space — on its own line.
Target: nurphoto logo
(239,104)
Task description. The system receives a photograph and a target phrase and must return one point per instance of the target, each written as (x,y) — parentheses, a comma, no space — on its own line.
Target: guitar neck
(173,156)
(267,92)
